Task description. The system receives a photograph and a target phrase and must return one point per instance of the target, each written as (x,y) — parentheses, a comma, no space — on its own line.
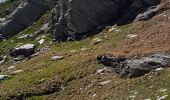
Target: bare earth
(154,36)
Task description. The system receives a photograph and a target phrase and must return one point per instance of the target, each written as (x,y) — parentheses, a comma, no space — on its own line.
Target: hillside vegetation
(76,77)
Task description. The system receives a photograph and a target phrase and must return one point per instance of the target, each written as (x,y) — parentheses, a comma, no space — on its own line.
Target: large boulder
(135,67)
(25,50)
(72,17)
(23,16)
(80,16)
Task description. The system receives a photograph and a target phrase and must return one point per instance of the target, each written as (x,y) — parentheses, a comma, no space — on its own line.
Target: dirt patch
(152,35)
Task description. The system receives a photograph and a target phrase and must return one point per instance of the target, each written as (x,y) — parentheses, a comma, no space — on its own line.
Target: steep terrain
(72,69)
(153,35)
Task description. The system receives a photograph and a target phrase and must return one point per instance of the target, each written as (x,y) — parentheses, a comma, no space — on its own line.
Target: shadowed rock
(25,50)
(76,17)
(135,67)
(23,16)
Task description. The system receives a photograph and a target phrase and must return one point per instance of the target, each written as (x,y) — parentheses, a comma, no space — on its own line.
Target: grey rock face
(80,16)
(135,67)
(51,3)
(22,17)
(1,37)
(25,50)
(149,13)
(72,17)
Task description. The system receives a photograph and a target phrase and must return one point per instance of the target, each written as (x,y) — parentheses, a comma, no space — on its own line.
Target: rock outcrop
(4,77)
(22,17)
(135,67)
(72,17)
(25,50)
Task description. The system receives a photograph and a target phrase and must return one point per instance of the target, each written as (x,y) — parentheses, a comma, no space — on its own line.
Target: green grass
(81,63)
(65,68)
(78,69)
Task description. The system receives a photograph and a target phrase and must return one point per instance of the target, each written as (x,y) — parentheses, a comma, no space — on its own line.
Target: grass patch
(70,69)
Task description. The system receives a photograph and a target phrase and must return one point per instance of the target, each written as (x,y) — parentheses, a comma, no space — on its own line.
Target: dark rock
(109,60)
(1,57)
(134,72)
(23,16)
(75,17)
(148,14)
(19,58)
(51,3)
(25,50)
(152,2)
(1,37)
(135,67)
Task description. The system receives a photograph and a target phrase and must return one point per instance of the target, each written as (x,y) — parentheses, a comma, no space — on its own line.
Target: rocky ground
(118,62)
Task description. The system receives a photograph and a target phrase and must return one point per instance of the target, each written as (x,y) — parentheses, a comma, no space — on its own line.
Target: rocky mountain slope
(84,50)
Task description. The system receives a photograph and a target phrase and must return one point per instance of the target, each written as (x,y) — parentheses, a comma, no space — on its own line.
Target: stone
(148,99)
(41,41)
(35,54)
(23,36)
(97,41)
(105,82)
(22,17)
(149,13)
(104,71)
(76,17)
(132,96)
(2,37)
(163,90)
(112,29)
(51,3)
(94,95)
(2,20)
(25,50)
(17,72)
(159,69)
(132,35)
(109,60)
(55,58)
(11,67)
(84,49)
(18,58)
(73,51)
(162,97)
(4,77)
(2,61)
(135,67)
